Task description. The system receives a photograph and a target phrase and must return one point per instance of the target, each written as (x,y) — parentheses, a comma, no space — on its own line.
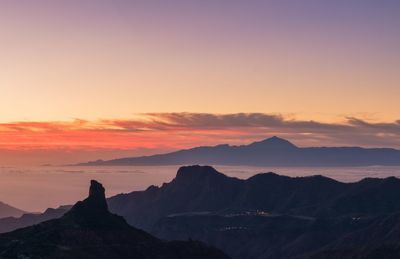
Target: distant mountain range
(268,215)
(11,223)
(9,211)
(269,152)
(88,230)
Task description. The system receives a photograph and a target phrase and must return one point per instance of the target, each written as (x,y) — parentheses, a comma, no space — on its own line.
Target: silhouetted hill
(257,236)
(265,216)
(202,189)
(380,239)
(9,211)
(12,223)
(268,215)
(269,152)
(89,230)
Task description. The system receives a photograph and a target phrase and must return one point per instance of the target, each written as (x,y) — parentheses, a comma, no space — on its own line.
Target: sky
(86,79)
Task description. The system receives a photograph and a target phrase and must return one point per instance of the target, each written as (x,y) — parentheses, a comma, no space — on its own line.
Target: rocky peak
(96,190)
(97,196)
(94,204)
(274,143)
(196,172)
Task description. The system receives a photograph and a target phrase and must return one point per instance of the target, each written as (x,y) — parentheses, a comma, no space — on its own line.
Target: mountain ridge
(7,210)
(266,215)
(89,230)
(202,188)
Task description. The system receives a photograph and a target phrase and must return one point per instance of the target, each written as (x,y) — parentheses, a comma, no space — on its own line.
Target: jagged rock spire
(96,191)
(95,203)
(97,197)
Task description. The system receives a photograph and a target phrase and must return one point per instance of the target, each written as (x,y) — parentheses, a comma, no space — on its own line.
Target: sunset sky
(87,79)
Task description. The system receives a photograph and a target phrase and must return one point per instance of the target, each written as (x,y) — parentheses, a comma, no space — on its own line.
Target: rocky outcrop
(89,230)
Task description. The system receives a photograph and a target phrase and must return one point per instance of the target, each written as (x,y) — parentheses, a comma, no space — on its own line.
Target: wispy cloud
(181,130)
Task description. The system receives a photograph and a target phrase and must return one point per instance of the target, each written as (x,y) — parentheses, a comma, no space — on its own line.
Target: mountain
(9,211)
(380,239)
(269,152)
(252,236)
(12,223)
(89,230)
(265,216)
(260,236)
(269,215)
(202,189)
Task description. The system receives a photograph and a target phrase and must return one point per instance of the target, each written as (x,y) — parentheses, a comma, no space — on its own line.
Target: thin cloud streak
(182,130)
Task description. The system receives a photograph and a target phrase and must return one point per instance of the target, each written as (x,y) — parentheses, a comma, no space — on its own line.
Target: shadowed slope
(202,189)
(12,223)
(89,230)
(265,216)
(9,211)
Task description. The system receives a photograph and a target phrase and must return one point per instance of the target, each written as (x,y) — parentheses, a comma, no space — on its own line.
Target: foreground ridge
(89,230)
(271,216)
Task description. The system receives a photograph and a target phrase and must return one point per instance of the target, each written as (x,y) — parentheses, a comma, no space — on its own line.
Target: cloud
(182,130)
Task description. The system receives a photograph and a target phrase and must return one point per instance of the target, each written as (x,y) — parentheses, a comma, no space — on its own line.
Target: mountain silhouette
(199,189)
(9,211)
(89,230)
(273,143)
(28,219)
(263,236)
(380,239)
(274,151)
(264,216)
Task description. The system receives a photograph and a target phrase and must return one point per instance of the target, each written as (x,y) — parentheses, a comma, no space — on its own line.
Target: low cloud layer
(169,131)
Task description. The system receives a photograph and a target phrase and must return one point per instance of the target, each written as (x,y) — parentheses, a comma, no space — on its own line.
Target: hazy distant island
(273,151)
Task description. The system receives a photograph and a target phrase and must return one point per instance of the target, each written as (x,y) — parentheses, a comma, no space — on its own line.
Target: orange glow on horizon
(184,130)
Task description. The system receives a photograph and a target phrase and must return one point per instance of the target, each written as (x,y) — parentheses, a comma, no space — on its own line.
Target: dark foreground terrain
(271,216)
(89,230)
(265,216)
